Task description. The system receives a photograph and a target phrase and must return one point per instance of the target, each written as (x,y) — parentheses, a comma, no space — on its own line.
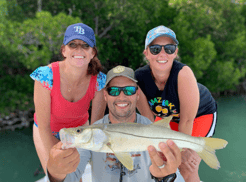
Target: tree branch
(106,30)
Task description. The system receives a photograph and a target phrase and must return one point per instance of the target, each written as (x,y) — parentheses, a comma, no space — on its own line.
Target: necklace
(70,87)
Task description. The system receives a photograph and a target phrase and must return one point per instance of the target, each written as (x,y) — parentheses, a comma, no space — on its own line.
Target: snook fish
(131,137)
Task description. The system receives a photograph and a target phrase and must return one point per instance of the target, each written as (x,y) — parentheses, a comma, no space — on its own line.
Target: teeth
(122,105)
(161,61)
(79,57)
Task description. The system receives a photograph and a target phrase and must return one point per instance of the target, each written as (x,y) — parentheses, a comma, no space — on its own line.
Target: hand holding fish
(172,154)
(189,164)
(62,161)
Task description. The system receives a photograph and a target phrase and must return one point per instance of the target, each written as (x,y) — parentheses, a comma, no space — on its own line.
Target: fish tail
(208,152)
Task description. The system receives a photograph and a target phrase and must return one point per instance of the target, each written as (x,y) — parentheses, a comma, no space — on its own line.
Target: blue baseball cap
(160,31)
(80,31)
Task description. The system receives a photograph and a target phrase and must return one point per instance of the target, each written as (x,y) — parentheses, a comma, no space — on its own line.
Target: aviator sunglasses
(74,45)
(156,49)
(128,90)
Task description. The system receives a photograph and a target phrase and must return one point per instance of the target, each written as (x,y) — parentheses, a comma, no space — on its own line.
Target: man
(121,94)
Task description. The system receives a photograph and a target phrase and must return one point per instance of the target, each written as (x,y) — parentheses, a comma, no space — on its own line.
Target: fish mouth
(67,139)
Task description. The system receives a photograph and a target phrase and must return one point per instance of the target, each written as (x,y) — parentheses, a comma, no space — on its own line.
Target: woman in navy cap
(169,87)
(64,89)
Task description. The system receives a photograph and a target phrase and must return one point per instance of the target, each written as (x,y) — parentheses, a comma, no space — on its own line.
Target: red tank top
(66,114)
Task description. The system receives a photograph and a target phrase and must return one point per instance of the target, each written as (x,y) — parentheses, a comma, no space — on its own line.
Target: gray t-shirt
(105,167)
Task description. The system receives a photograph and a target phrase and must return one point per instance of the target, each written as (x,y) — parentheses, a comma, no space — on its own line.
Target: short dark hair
(94,66)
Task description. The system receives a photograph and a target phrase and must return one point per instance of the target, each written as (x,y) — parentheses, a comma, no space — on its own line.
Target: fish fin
(164,122)
(215,143)
(123,157)
(208,153)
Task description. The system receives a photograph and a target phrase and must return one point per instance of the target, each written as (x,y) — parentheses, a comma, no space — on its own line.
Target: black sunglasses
(156,49)
(74,45)
(128,90)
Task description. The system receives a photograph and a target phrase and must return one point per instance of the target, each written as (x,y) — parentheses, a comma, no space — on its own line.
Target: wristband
(169,178)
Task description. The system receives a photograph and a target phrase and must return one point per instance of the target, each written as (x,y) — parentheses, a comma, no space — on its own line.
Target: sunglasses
(128,90)
(156,49)
(74,45)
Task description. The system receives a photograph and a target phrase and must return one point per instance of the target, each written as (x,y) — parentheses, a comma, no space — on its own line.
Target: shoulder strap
(56,75)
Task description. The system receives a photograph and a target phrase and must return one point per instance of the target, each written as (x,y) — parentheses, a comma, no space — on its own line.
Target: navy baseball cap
(160,31)
(80,31)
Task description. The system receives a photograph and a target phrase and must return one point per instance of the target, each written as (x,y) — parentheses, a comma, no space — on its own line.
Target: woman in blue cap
(169,87)
(64,89)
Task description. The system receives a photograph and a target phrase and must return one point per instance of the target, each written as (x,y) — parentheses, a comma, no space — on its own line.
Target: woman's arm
(143,106)
(189,99)
(98,106)
(42,109)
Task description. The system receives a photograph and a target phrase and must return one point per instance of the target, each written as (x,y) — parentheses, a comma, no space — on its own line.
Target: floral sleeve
(44,75)
(101,80)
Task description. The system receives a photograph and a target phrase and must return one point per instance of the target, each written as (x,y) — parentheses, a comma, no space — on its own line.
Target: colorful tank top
(66,114)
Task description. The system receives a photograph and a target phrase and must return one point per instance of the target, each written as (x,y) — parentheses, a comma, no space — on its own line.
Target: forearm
(143,106)
(144,110)
(192,178)
(47,138)
(98,107)
(148,114)
(97,113)
(186,126)
(55,177)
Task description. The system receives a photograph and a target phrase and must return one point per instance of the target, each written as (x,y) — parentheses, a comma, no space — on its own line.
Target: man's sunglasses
(156,49)
(128,90)
(74,45)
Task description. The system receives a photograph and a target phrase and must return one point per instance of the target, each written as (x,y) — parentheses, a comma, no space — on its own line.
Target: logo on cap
(161,30)
(79,30)
(119,69)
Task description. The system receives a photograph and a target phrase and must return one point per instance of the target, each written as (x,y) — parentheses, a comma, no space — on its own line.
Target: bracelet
(169,178)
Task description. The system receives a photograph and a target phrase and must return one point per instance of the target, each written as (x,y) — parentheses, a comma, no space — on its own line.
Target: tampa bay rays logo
(79,30)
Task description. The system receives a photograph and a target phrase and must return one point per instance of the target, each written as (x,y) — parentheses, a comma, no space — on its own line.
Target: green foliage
(212,41)
(38,40)
(20,10)
(16,93)
(124,44)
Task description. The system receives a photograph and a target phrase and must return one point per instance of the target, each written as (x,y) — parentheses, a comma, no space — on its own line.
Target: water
(231,126)
(19,159)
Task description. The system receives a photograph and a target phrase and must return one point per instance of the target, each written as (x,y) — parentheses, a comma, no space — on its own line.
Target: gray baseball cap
(120,71)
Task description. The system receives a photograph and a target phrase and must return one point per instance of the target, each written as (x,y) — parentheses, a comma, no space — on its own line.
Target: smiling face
(78,56)
(161,61)
(122,108)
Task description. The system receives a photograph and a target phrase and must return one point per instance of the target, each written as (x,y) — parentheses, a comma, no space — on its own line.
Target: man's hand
(189,165)
(171,153)
(62,162)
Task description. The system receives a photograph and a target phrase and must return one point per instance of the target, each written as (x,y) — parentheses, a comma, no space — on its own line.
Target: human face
(80,55)
(122,108)
(161,61)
